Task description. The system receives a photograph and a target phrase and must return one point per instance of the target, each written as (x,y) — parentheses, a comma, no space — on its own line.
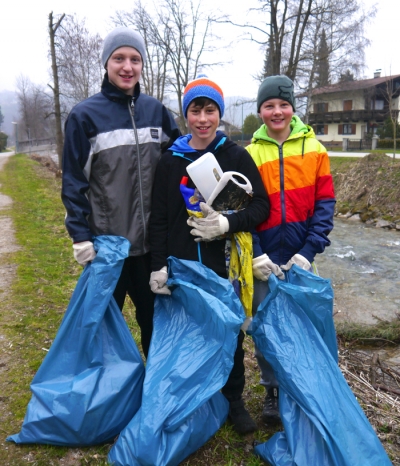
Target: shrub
(3,141)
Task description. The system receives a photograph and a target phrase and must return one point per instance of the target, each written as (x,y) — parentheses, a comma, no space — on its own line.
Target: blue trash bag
(89,385)
(323,422)
(190,358)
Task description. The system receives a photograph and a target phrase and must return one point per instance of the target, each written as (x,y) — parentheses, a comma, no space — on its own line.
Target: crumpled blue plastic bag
(89,385)
(323,422)
(190,358)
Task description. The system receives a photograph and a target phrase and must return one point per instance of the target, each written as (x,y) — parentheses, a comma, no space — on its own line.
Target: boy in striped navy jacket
(295,170)
(113,141)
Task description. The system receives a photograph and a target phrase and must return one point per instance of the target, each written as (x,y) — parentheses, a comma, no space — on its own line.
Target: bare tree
(55,87)
(178,36)
(189,38)
(391,95)
(343,23)
(35,107)
(78,60)
(292,31)
(155,71)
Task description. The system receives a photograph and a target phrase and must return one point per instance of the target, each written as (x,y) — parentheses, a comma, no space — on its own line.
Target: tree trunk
(55,88)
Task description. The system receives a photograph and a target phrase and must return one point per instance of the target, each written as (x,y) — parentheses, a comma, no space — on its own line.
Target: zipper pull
(132,106)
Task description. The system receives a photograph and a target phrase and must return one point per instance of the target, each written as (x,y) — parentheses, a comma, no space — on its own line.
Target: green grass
(341,163)
(31,312)
(380,334)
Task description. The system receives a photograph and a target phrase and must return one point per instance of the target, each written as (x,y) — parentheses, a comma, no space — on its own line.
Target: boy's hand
(210,226)
(84,252)
(299,260)
(158,282)
(263,267)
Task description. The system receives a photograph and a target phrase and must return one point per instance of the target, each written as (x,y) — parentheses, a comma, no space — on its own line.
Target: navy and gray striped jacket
(112,145)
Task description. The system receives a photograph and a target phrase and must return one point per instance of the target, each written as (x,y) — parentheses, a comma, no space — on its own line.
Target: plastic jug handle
(231,176)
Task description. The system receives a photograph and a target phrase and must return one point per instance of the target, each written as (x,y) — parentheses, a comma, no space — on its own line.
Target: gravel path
(7,237)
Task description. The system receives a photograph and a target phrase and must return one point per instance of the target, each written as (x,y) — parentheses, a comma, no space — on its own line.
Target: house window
(321,107)
(347,128)
(377,105)
(347,105)
(321,130)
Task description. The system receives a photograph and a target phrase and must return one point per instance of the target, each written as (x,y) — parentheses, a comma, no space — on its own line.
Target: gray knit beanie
(276,87)
(122,37)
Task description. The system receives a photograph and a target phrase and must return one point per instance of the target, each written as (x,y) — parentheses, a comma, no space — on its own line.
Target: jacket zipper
(283,207)
(131,107)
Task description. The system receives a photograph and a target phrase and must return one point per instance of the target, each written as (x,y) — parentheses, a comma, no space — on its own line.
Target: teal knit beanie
(276,87)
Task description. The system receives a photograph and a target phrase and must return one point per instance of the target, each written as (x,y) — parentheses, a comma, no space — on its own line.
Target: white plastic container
(205,173)
(230,176)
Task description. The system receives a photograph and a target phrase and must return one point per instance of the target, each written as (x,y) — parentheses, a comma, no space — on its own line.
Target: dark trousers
(234,386)
(134,280)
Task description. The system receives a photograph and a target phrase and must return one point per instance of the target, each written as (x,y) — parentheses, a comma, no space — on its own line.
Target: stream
(363,263)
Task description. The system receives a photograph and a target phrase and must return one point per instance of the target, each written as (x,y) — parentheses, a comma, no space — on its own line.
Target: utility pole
(242,102)
(16,137)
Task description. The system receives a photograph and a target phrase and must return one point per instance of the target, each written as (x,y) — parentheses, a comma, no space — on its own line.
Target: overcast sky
(24,40)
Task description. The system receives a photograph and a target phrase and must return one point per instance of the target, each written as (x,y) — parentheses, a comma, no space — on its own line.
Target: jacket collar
(113,93)
(298,130)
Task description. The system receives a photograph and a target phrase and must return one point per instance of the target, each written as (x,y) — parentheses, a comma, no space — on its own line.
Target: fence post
(375,139)
(345,144)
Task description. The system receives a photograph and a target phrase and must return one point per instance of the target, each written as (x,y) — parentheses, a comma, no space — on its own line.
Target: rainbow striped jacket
(297,178)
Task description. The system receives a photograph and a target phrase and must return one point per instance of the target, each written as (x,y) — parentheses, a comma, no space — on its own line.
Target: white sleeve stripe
(122,137)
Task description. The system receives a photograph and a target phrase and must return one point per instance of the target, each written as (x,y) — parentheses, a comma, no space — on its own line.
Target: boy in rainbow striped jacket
(295,170)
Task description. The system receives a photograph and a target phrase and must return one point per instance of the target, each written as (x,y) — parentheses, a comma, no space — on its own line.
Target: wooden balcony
(350,116)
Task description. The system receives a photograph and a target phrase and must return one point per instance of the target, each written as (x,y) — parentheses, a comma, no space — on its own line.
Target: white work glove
(263,267)
(210,226)
(299,260)
(84,252)
(158,281)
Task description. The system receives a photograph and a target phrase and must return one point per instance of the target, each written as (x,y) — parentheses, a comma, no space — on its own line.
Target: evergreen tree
(251,124)
(386,131)
(322,71)
(268,62)
(347,76)
(1,118)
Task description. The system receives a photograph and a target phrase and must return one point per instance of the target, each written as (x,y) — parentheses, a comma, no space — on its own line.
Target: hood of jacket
(298,130)
(181,145)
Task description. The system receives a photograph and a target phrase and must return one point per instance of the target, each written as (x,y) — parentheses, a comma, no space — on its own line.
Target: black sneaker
(270,413)
(240,417)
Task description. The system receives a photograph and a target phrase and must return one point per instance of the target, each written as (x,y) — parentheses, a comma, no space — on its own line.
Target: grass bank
(31,312)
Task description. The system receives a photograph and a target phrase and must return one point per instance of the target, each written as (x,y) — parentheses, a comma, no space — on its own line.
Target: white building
(353,109)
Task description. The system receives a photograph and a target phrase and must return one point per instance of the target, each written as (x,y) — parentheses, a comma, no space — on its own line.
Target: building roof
(353,85)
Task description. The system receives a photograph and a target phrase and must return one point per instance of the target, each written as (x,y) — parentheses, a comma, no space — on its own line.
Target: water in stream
(363,263)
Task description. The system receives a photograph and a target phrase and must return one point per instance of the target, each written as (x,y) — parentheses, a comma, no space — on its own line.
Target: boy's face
(277,115)
(124,68)
(202,123)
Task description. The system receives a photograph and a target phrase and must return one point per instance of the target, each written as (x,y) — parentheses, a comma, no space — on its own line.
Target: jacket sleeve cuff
(308,252)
